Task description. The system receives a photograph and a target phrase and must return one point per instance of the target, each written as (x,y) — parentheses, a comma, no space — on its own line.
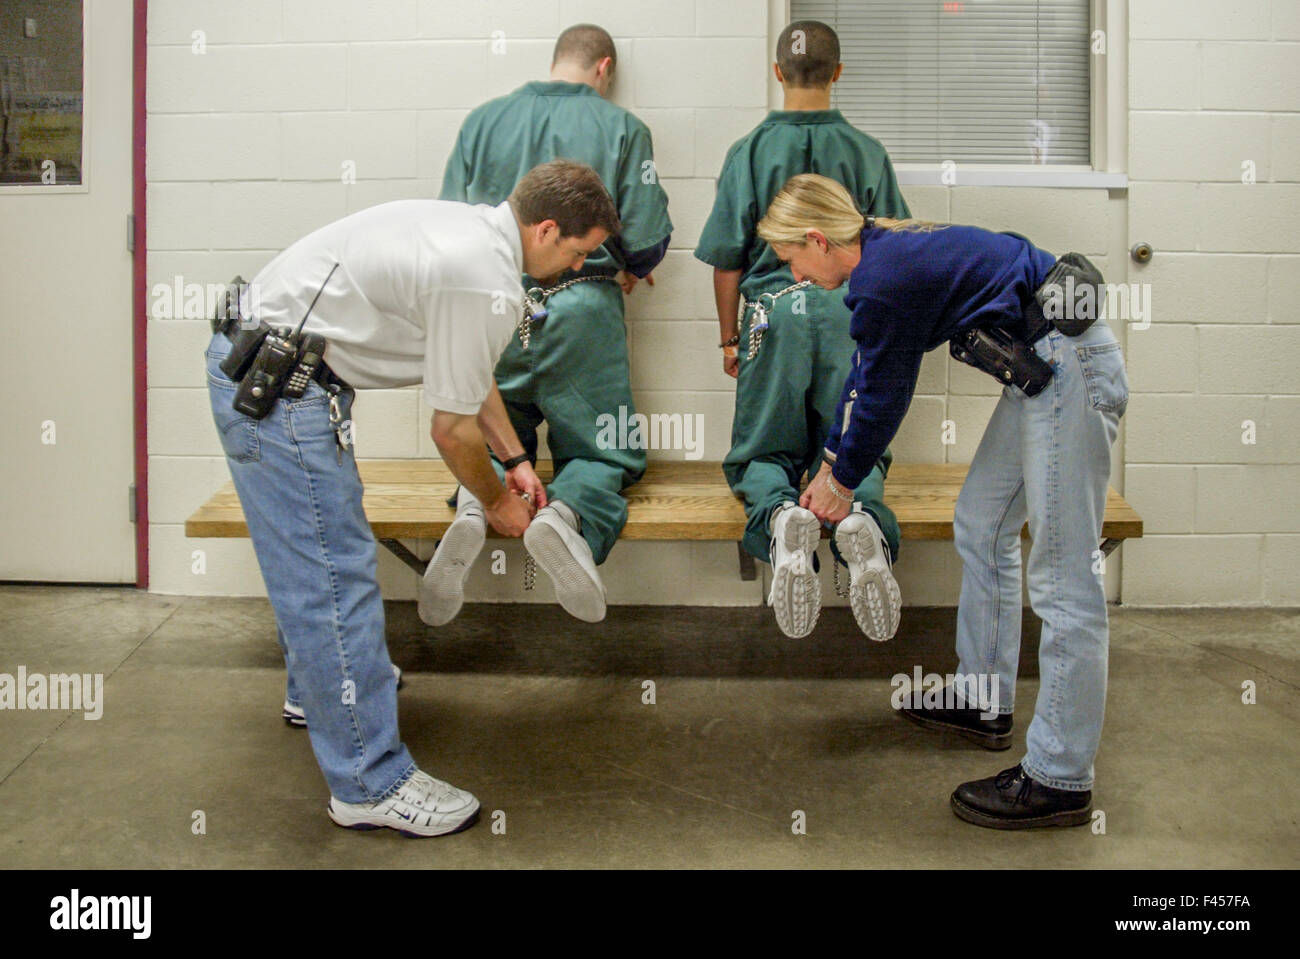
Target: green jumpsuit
(575,368)
(788,394)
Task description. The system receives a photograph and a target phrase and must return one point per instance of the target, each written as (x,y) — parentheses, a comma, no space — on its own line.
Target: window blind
(974,81)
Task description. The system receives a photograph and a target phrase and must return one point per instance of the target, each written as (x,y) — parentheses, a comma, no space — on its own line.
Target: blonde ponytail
(810,201)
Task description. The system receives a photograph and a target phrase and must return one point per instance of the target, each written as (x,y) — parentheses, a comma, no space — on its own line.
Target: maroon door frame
(140,311)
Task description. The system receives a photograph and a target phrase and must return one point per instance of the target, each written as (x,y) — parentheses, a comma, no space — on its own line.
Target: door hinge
(130,232)
(130,503)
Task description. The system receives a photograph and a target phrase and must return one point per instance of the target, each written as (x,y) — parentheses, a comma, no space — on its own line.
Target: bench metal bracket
(398,549)
(1109,546)
(748,572)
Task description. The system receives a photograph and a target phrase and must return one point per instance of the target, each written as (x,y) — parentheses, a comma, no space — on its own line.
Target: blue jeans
(317,556)
(1045,459)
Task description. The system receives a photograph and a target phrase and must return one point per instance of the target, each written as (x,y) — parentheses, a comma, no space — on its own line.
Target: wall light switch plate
(29,26)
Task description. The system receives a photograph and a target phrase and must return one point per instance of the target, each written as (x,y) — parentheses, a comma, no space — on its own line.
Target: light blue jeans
(1045,459)
(317,556)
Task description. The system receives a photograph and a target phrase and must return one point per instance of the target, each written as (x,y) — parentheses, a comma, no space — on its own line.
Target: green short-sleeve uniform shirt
(786,143)
(504,138)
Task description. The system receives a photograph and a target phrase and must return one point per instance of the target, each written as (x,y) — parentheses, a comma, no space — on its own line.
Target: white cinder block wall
(1214,90)
(247,143)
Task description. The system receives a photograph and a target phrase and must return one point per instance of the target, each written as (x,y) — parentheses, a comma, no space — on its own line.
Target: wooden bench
(407,499)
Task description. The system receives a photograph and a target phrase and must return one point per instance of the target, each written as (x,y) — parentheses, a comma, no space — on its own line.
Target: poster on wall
(41,97)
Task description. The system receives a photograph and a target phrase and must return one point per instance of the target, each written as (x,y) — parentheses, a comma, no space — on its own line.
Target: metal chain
(526,329)
(758,328)
(841,588)
(536,297)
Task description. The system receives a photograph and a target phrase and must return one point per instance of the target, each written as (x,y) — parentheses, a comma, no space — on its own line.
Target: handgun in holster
(245,340)
(1007,359)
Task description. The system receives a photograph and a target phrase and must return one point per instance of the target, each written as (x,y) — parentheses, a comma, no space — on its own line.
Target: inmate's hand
(628,280)
(522,479)
(731,366)
(510,514)
(824,504)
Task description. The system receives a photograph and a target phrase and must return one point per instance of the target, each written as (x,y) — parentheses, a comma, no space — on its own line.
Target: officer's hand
(731,366)
(510,515)
(522,479)
(824,504)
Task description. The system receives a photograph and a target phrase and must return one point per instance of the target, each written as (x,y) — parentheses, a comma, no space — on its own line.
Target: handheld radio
(284,360)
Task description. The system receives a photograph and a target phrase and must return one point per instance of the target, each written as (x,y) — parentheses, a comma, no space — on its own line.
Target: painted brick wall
(1214,90)
(247,142)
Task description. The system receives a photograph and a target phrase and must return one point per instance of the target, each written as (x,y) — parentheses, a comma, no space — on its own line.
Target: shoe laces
(424,789)
(1009,777)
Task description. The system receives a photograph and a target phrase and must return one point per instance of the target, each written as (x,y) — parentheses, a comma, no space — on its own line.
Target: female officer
(1044,458)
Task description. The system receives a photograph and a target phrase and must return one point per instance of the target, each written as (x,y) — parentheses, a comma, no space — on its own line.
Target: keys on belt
(342,427)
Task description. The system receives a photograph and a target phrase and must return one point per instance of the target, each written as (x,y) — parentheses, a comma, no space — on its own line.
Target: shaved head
(585,45)
(808,52)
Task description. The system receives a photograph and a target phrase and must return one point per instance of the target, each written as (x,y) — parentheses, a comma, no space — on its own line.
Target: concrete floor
(541,717)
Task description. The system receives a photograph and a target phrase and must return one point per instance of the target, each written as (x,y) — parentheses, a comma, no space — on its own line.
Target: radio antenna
(313,302)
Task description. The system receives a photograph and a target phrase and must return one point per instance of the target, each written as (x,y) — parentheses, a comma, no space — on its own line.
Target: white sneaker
(293,715)
(442,590)
(873,592)
(561,551)
(422,806)
(796,594)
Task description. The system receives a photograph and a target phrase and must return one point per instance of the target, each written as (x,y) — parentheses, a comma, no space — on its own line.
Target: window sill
(1078,178)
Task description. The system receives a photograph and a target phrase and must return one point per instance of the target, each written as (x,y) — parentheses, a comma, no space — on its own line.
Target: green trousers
(787,397)
(574,374)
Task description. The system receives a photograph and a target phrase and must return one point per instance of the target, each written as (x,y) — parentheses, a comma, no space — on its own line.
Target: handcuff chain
(756,330)
(535,295)
(789,289)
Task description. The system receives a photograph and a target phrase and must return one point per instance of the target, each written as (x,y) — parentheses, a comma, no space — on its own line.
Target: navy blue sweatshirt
(912,292)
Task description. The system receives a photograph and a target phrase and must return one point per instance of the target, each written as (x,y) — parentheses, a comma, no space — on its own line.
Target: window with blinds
(975,81)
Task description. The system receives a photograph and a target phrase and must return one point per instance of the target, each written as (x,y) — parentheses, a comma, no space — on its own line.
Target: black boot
(1012,800)
(992,734)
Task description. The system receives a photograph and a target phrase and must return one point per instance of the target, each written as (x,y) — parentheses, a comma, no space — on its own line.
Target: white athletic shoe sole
(874,595)
(293,715)
(442,589)
(565,557)
(421,808)
(796,594)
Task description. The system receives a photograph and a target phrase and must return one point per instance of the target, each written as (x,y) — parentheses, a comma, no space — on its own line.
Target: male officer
(572,368)
(417,291)
(791,374)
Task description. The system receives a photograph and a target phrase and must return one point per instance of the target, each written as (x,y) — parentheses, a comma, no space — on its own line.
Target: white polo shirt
(426,291)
